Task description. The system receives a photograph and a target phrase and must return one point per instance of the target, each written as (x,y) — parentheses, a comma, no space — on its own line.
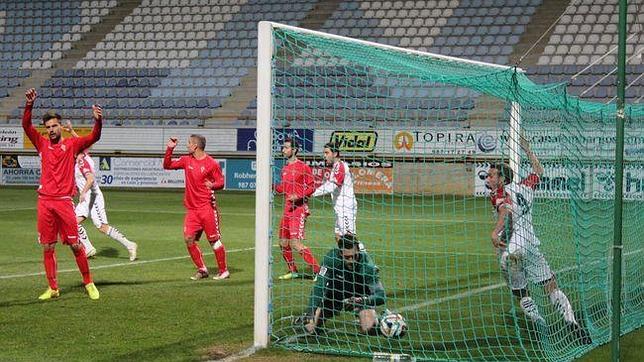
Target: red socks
(220,255)
(287,254)
(83,265)
(50,268)
(310,259)
(195,254)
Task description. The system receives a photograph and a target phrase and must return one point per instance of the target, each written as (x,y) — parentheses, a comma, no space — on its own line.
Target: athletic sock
(220,255)
(50,268)
(561,302)
(84,238)
(310,259)
(287,254)
(195,254)
(83,264)
(115,234)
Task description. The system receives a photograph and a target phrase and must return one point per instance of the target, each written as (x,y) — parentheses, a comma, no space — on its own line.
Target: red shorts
(56,217)
(293,221)
(201,220)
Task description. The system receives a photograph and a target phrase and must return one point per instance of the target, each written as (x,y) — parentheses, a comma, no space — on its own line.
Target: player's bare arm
(89,178)
(503,212)
(537,168)
(67,127)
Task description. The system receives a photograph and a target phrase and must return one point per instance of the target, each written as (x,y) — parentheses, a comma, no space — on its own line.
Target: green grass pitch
(150,310)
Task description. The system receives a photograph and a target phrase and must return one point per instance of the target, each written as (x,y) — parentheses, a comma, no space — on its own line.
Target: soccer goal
(419,133)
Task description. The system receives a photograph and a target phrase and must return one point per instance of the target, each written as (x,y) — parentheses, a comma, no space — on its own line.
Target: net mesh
(419,133)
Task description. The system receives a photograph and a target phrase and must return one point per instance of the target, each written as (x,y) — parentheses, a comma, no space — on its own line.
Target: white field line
(420,220)
(108,266)
(486,288)
(239,355)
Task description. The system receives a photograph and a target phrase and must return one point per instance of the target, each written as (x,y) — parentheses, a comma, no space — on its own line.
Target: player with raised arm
(91,203)
(297,185)
(55,208)
(518,245)
(203,176)
(348,281)
(340,185)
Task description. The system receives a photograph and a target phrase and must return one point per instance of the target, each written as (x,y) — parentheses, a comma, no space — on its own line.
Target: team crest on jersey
(63,147)
(203,169)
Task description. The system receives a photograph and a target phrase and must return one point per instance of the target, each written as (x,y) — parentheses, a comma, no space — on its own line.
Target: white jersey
(340,186)
(83,166)
(94,204)
(522,196)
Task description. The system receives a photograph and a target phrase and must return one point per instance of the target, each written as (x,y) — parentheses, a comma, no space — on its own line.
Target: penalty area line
(108,266)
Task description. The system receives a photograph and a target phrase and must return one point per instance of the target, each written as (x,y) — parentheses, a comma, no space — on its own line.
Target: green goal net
(418,133)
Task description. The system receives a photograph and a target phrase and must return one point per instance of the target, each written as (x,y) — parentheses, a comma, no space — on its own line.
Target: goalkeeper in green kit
(348,281)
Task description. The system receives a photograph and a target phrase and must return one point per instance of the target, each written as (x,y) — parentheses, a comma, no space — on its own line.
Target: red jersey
(197,172)
(297,178)
(58,160)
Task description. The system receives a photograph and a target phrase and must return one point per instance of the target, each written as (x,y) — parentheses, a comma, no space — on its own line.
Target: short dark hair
(348,241)
(199,140)
(505,171)
(294,144)
(51,115)
(334,147)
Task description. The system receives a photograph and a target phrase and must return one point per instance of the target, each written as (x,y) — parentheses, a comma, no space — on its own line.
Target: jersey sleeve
(217,176)
(309,181)
(372,280)
(30,131)
(531,181)
(501,199)
(85,166)
(321,279)
(338,174)
(85,142)
(170,164)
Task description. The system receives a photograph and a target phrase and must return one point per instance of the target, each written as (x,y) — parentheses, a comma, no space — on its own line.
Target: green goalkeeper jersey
(338,282)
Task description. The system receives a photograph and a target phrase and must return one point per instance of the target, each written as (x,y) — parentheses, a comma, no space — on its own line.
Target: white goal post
(263,193)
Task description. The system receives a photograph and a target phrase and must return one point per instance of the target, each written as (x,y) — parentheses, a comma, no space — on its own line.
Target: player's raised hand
(67,127)
(31,95)
(98,111)
(172,142)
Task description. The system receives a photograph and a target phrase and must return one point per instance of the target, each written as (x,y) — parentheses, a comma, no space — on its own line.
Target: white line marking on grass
(131,263)
(485,289)
(411,219)
(239,355)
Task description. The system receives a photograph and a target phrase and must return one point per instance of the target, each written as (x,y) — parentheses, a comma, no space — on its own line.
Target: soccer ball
(393,325)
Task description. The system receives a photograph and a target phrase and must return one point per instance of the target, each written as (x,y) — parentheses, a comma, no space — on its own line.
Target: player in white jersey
(340,185)
(91,203)
(520,257)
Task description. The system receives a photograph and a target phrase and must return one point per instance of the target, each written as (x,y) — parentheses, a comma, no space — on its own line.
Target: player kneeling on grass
(203,176)
(348,281)
(517,244)
(91,203)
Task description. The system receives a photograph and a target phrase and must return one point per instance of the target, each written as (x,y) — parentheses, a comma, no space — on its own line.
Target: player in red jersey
(297,185)
(203,176)
(57,187)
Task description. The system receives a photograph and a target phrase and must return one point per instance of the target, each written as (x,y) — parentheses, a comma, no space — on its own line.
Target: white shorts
(345,222)
(533,263)
(93,207)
